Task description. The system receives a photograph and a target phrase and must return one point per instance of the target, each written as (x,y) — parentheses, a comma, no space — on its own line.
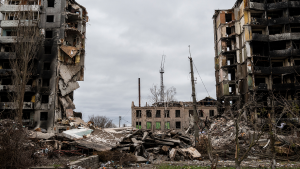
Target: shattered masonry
(257,50)
(171,115)
(49,97)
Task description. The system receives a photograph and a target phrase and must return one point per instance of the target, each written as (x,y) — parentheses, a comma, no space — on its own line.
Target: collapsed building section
(257,47)
(171,115)
(60,62)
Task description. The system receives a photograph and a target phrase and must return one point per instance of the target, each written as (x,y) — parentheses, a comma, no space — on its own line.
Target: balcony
(257,6)
(260,37)
(8,39)
(16,8)
(262,70)
(284,36)
(7,55)
(15,23)
(283,87)
(285,70)
(10,88)
(5,72)
(285,52)
(277,5)
(259,21)
(11,105)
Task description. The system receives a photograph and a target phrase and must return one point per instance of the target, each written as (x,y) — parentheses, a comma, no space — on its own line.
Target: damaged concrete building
(171,115)
(257,48)
(49,95)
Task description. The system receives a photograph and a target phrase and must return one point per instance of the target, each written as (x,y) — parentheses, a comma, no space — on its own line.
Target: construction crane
(162,71)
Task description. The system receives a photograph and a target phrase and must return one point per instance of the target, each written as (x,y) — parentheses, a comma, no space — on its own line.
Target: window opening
(157,114)
(46,82)
(51,3)
(45,98)
(44,116)
(167,113)
(149,125)
(148,113)
(139,125)
(48,50)
(50,18)
(178,125)
(157,125)
(177,113)
(47,65)
(167,125)
(138,113)
(211,113)
(48,34)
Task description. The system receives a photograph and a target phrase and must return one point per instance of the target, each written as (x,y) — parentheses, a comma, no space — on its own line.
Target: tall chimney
(139,92)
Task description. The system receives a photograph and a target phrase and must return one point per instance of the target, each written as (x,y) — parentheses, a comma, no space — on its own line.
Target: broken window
(167,113)
(228,31)
(50,18)
(149,125)
(200,113)
(260,81)
(139,125)
(45,98)
(49,34)
(178,124)
(277,80)
(191,113)
(139,113)
(46,82)
(277,64)
(48,50)
(167,125)
(27,98)
(44,116)
(211,113)
(177,113)
(4,99)
(297,62)
(228,17)
(158,125)
(157,114)
(51,3)
(47,65)
(6,82)
(148,113)
(26,115)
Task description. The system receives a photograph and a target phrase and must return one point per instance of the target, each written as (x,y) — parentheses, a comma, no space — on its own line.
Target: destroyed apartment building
(60,61)
(257,49)
(171,115)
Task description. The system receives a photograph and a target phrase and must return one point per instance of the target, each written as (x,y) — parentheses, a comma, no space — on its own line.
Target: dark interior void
(228,17)
(191,113)
(294,11)
(262,62)
(275,14)
(27,97)
(230,59)
(138,113)
(4,63)
(288,78)
(177,113)
(44,116)
(277,64)
(4,98)
(200,113)
(297,62)
(26,115)
(277,80)
(49,34)
(148,113)
(279,45)
(7,47)
(45,98)
(228,30)
(257,31)
(46,82)
(295,27)
(296,44)
(50,18)
(275,30)
(158,115)
(51,3)
(178,125)
(260,48)
(260,80)
(6,81)
(257,15)
(30,82)
(298,79)
(231,74)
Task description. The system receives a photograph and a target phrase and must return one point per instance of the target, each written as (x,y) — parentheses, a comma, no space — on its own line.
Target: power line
(201,79)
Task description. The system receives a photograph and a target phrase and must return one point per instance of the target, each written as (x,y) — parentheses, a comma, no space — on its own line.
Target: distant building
(172,115)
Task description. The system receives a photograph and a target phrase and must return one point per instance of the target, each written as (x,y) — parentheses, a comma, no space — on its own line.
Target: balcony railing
(11,88)
(7,55)
(16,8)
(11,105)
(8,39)
(15,23)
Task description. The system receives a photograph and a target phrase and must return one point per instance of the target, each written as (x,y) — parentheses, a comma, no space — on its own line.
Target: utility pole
(196,129)
(162,71)
(119,121)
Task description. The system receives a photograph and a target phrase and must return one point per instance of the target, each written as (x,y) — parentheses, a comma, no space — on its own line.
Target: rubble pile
(168,146)
(223,133)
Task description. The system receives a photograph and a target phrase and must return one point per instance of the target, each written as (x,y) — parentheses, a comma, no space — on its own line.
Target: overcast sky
(126,40)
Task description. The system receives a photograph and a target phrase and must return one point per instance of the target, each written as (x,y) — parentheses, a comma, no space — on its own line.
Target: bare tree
(155,94)
(102,121)
(28,39)
(169,94)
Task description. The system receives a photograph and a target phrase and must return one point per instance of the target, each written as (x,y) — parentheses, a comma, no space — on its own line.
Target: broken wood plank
(145,135)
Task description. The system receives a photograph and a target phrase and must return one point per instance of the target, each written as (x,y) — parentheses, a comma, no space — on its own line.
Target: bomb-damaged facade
(171,115)
(257,49)
(50,93)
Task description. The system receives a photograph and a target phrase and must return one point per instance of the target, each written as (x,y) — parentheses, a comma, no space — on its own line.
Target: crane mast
(162,71)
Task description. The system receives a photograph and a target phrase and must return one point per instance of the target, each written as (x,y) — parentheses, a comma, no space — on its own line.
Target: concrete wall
(184,116)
